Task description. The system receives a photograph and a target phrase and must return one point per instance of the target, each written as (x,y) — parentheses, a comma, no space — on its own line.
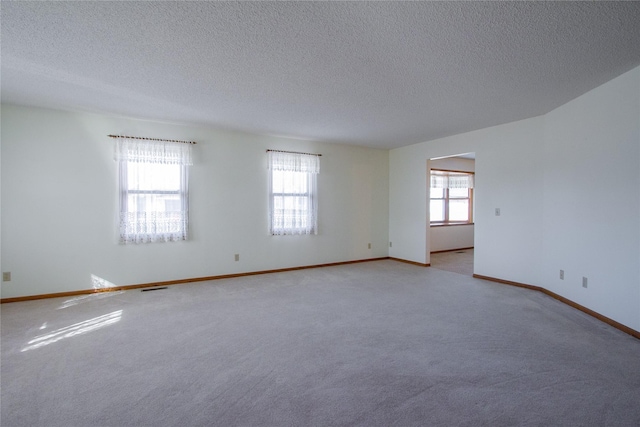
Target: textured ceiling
(383,74)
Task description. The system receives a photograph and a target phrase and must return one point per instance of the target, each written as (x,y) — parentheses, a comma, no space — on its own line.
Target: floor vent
(153,289)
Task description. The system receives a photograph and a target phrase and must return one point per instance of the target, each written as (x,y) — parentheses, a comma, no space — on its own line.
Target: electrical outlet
(561,274)
(237,257)
(6,276)
(497,211)
(369,245)
(390,244)
(584,282)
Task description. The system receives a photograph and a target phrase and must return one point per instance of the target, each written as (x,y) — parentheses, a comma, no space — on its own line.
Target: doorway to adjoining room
(451,212)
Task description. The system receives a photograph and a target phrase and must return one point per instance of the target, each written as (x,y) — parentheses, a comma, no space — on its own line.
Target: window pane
(437,193)
(151,176)
(291,211)
(297,182)
(458,192)
(277,181)
(458,210)
(437,210)
(172,203)
(289,182)
(149,202)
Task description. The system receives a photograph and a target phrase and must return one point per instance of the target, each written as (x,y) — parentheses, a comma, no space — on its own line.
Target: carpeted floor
(458,261)
(373,344)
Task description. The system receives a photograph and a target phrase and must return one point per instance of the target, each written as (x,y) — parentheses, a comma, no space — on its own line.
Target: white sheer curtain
(293,193)
(451,180)
(154,191)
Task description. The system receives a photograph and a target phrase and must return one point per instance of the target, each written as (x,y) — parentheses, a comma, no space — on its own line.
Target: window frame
(309,193)
(125,191)
(149,225)
(447,198)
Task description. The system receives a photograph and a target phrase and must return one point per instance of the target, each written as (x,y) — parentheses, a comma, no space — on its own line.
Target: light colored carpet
(459,261)
(374,344)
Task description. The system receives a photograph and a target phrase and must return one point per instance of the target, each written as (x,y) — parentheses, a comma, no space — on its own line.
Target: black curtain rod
(294,152)
(151,139)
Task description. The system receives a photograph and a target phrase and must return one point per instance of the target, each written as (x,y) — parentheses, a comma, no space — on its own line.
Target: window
(451,197)
(153,185)
(293,196)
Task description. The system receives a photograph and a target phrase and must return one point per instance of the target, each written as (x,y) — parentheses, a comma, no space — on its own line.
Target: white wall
(592,199)
(558,180)
(460,164)
(445,237)
(507,246)
(59,205)
(451,237)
